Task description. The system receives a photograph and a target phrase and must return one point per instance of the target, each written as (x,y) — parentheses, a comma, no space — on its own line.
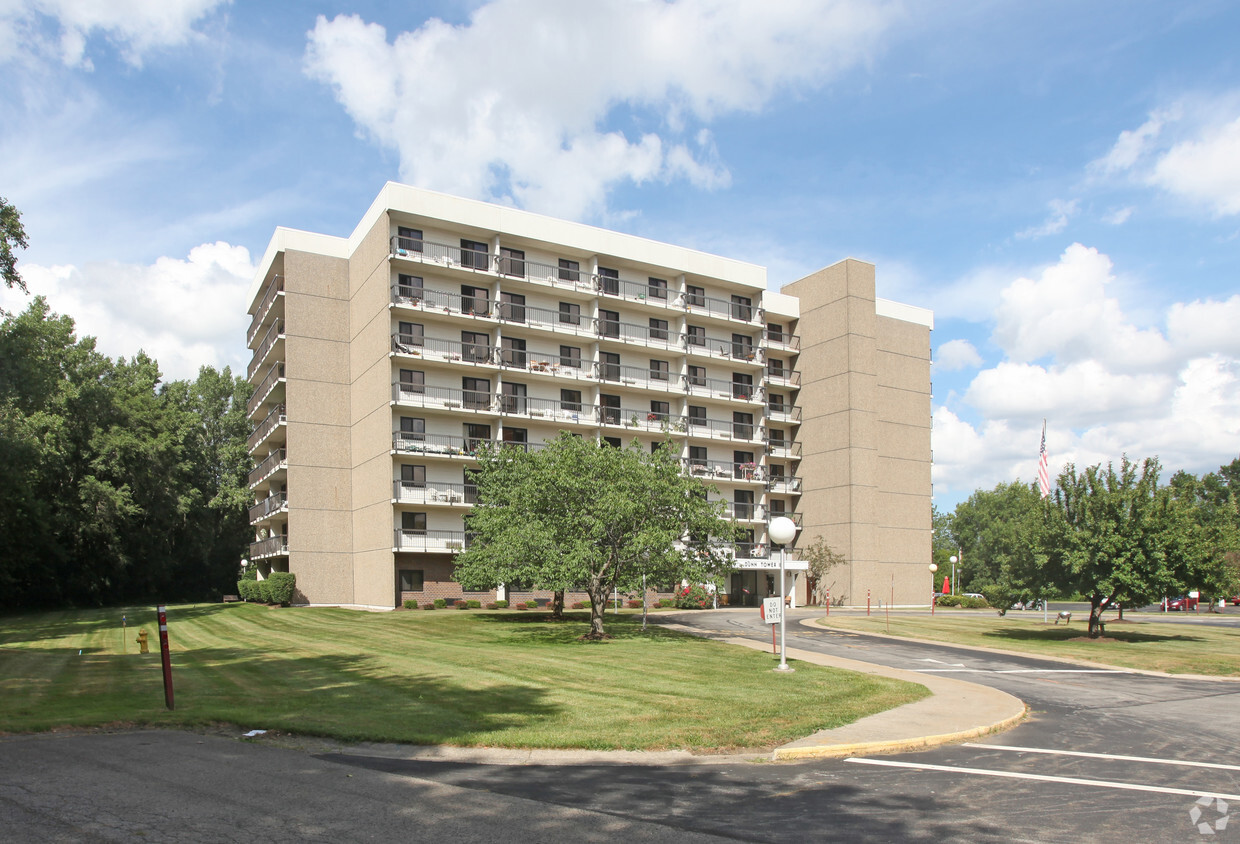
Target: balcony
(783,413)
(548,410)
(273,378)
(715,308)
(270,465)
(784,484)
(781,340)
(275,546)
(442,254)
(433,492)
(741,511)
(417,346)
(637,376)
(787,449)
(720,470)
(641,292)
(274,334)
(781,377)
(268,506)
(564,322)
(274,290)
(719,388)
(722,349)
(542,362)
(723,429)
(444,445)
(629,332)
(265,428)
(445,398)
(440,301)
(430,541)
(751,551)
(642,420)
(795,518)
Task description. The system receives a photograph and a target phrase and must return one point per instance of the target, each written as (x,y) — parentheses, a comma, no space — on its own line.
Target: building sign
(744,563)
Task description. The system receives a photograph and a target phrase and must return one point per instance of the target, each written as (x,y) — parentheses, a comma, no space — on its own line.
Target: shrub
(474,605)
(493,606)
(521,605)
(962,601)
(947,601)
(429,606)
(440,603)
(501,605)
(579,605)
(280,585)
(248,590)
(410,604)
(666,602)
(462,605)
(264,591)
(693,597)
(635,604)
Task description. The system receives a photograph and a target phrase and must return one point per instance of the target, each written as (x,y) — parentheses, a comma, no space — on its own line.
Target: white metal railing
(419,395)
(430,540)
(638,376)
(415,345)
(719,388)
(433,492)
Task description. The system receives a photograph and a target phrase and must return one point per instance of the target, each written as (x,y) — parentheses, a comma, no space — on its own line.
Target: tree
(823,559)
(1202,534)
(12,234)
(942,544)
(1111,541)
(583,514)
(1002,536)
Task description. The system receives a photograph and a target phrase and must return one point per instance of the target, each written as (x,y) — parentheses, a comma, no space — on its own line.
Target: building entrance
(743,591)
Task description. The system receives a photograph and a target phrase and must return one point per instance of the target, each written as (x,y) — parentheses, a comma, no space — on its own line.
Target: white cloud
(956,354)
(538,102)
(1118,216)
(1057,221)
(135,27)
(1205,169)
(185,313)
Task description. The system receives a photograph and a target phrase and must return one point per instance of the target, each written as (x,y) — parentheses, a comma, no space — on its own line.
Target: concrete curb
(906,745)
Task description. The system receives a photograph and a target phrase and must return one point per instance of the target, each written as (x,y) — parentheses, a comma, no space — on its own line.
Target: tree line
(1111,534)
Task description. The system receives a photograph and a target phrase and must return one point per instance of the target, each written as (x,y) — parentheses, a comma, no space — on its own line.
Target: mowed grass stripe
(446,677)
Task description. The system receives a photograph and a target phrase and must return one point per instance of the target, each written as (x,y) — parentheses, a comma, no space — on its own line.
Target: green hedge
(962,601)
(501,605)
(280,586)
(247,590)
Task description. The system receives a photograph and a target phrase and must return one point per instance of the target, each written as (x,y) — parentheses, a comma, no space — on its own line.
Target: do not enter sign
(772,610)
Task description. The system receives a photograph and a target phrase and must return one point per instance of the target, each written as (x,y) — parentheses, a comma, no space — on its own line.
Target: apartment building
(382,360)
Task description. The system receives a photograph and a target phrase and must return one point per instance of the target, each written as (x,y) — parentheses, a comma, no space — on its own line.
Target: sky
(1059,182)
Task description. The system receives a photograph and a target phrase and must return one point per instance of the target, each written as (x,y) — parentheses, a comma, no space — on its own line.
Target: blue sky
(1059,182)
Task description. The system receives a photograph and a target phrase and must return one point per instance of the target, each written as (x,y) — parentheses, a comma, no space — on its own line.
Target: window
(742,504)
(774,332)
(413,522)
(412,382)
(570,400)
(777,507)
(609,409)
(695,297)
(659,370)
(609,366)
(608,323)
(413,477)
(409,288)
(742,386)
(511,261)
(742,347)
(569,270)
(776,471)
(476,393)
(775,403)
(475,347)
(475,300)
(697,457)
(512,307)
(697,415)
(411,580)
(609,281)
(614,442)
(775,368)
(412,429)
(742,425)
(408,239)
(658,329)
(697,376)
(743,465)
(474,254)
(514,400)
(659,411)
(570,356)
(470,486)
(516,436)
(695,335)
(742,308)
(512,352)
(776,438)
(656,288)
(570,314)
(408,336)
(475,435)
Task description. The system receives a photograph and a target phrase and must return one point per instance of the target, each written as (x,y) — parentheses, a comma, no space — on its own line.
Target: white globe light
(955,559)
(933,568)
(782,530)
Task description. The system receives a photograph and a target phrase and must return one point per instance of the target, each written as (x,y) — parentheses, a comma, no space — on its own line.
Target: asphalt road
(1153,746)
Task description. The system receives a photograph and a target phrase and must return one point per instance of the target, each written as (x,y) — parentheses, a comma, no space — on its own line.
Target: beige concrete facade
(381,359)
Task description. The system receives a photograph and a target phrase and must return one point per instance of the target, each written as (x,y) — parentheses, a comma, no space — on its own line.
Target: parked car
(1030,604)
(974,595)
(1235,600)
(1184,603)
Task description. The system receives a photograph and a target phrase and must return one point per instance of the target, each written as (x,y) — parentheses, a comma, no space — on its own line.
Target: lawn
(469,678)
(1144,645)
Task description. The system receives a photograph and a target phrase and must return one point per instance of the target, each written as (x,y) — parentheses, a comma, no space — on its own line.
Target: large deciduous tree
(1003,539)
(12,234)
(580,514)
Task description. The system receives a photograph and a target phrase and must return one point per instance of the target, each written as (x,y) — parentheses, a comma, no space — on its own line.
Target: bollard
(143,647)
(828,602)
(167,659)
(867,602)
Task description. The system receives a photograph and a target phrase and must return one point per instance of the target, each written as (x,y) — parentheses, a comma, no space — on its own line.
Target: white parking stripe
(1020,671)
(1126,786)
(1085,755)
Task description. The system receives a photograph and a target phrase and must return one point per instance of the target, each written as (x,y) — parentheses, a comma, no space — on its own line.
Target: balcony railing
(433,492)
(270,464)
(538,360)
(789,449)
(744,511)
(550,410)
(274,418)
(441,253)
(431,348)
(274,376)
(637,376)
(419,395)
(723,309)
(568,322)
(274,546)
(781,340)
(629,332)
(534,272)
(441,301)
(718,347)
(267,506)
(719,388)
(752,550)
(269,339)
(635,291)
(720,470)
(783,413)
(641,420)
(784,484)
(724,429)
(794,517)
(411,442)
(274,289)
(780,377)
(430,540)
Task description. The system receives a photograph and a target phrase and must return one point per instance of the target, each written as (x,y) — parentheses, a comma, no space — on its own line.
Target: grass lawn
(1146,645)
(485,678)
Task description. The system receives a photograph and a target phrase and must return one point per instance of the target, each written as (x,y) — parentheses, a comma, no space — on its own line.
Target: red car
(1182,603)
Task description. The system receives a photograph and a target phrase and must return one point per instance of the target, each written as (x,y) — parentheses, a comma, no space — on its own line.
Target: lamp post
(933,569)
(782,531)
(955,559)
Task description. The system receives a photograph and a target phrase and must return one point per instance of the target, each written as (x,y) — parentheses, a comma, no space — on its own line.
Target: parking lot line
(1081,753)
(986,772)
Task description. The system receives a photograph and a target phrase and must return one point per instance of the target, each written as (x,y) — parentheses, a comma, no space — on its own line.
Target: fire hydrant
(142,645)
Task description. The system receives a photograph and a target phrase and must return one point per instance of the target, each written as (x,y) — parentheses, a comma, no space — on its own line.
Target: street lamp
(933,569)
(955,560)
(782,531)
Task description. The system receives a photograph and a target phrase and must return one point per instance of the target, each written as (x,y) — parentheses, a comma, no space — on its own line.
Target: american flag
(1044,477)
